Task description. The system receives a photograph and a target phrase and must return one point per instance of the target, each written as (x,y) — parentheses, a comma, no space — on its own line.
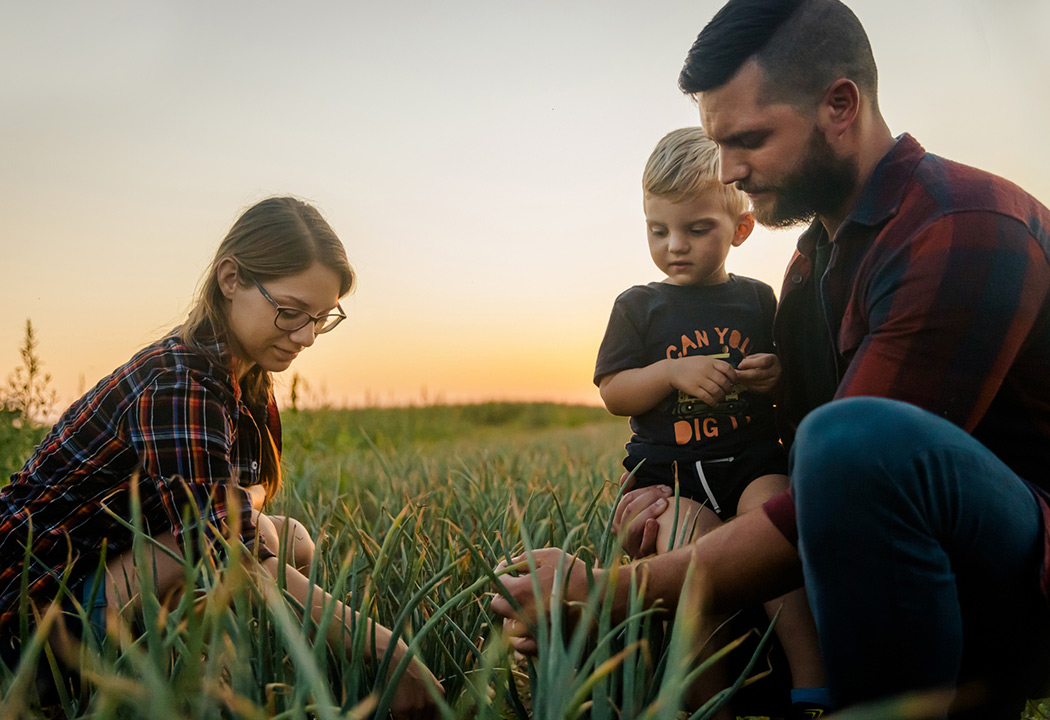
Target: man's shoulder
(943,187)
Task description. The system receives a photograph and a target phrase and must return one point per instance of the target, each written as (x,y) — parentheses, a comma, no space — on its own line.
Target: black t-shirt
(659,320)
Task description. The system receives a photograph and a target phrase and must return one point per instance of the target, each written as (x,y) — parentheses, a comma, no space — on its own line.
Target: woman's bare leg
(123,593)
(300,546)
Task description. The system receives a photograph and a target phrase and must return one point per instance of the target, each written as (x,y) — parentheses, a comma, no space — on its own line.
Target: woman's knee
(290,541)
(302,546)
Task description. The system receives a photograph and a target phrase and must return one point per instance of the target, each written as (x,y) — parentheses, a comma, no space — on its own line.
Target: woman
(191,420)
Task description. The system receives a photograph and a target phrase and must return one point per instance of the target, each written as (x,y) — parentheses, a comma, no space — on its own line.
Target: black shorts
(717,483)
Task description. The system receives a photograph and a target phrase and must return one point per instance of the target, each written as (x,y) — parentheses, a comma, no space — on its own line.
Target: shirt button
(797,279)
(255,465)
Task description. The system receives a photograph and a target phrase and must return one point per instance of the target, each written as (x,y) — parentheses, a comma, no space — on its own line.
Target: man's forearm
(744,562)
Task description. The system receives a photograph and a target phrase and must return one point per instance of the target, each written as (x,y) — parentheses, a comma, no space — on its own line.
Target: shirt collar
(881,196)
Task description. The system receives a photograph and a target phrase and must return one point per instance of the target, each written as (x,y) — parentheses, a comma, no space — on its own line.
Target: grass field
(412,508)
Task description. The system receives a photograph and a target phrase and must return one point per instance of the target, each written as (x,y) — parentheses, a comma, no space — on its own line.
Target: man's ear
(744,225)
(228,277)
(839,107)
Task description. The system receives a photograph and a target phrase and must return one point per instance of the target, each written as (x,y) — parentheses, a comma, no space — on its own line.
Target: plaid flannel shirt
(170,417)
(937,293)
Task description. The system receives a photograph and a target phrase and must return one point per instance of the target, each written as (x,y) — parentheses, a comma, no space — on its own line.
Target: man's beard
(820,184)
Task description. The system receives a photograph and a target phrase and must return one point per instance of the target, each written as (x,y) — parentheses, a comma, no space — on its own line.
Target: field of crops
(413,508)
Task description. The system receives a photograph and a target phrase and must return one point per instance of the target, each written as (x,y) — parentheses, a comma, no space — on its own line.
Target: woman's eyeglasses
(292,319)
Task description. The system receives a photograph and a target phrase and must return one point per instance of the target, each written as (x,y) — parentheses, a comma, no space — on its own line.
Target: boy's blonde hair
(684,164)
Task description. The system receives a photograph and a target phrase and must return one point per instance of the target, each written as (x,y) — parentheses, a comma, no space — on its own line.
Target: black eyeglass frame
(319,327)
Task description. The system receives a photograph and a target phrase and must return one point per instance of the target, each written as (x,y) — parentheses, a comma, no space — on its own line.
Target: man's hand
(759,372)
(706,378)
(516,623)
(635,518)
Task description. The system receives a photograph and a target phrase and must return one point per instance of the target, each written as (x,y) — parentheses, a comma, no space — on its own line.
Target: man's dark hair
(802,46)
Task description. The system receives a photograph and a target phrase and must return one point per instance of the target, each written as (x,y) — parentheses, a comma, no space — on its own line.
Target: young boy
(690,360)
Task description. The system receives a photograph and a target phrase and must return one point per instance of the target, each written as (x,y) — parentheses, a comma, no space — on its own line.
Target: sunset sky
(480,160)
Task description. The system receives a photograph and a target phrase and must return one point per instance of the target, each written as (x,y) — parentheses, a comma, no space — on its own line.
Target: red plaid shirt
(170,416)
(937,293)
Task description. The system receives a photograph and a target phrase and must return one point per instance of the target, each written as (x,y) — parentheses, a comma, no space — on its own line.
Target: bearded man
(914,334)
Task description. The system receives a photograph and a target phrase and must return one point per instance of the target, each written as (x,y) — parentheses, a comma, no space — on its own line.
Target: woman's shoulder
(168,363)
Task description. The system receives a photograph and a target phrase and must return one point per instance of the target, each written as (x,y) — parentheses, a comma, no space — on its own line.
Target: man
(913,331)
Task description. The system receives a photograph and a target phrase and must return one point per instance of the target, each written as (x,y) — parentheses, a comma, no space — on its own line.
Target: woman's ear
(226,273)
(744,225)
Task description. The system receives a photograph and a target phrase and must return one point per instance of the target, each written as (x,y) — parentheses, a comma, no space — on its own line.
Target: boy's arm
(639,390)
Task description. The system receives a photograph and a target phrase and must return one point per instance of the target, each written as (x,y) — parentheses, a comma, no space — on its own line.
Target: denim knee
(847,439)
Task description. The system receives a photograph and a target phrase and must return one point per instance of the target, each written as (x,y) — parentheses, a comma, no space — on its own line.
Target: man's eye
(751,142)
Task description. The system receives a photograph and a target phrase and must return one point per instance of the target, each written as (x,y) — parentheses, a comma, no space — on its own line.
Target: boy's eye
(700,231)
(657,231)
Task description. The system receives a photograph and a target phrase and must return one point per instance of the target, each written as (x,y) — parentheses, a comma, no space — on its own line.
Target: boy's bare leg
(795,627)
(695,520)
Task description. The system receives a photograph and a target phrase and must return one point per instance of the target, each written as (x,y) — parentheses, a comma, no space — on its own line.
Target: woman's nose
(305,335)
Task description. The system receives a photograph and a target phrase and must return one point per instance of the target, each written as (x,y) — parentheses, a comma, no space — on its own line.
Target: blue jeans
(922,553)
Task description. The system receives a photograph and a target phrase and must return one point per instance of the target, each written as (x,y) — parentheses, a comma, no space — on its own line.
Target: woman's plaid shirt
(171,418)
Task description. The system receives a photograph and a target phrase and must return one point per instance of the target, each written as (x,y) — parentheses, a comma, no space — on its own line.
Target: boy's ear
(227,276)
(744,225)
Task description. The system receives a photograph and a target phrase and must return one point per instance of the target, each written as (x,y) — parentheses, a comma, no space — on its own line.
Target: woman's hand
(413,698)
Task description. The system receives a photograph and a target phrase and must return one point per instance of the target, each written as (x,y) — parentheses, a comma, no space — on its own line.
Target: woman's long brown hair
(274,238)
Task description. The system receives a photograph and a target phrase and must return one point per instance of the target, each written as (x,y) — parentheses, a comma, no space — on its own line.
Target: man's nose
(731,167)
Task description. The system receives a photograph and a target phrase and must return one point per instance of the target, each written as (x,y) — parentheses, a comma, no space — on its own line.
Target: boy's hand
(705,378)
(759,372)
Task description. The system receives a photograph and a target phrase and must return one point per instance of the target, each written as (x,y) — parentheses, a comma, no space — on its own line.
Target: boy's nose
(677,243)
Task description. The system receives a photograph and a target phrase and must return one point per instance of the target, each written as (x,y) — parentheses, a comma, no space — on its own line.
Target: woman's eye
(293,316)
